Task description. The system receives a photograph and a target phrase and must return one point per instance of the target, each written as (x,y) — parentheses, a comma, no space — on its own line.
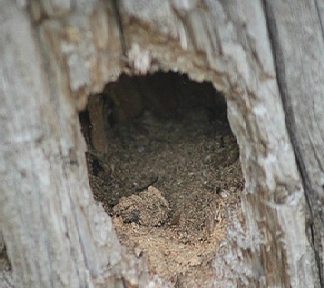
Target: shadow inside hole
(144,128)
(161,156)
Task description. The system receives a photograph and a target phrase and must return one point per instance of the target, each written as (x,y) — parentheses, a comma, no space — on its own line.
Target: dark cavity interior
(165,165)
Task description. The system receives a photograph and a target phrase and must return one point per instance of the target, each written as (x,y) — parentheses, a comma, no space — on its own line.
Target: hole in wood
(164,163)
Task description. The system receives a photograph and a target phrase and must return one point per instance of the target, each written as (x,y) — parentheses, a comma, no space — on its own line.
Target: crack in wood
(120,26)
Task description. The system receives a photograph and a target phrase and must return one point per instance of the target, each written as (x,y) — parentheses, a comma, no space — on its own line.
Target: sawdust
(189,170)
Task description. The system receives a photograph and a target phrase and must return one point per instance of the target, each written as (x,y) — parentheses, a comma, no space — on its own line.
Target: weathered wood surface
(55,234)
(297,35)
(53,231)
(71,49)
(227,42)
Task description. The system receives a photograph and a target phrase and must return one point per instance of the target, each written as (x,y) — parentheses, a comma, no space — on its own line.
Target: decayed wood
(228,43)
(54,232)
(297,35)
(52,228)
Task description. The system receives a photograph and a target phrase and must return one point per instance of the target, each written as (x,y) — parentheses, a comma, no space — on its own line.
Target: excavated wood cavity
(165,165)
